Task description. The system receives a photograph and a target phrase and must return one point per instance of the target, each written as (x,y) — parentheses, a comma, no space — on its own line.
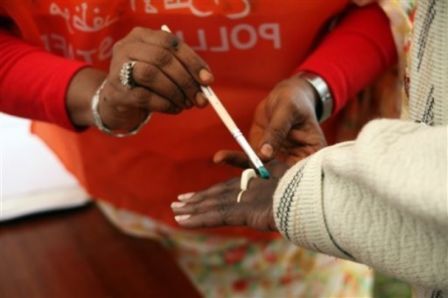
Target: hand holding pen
(232,127)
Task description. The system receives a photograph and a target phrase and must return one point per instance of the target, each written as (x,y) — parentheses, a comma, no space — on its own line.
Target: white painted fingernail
(185,196)
(180,218)
(175,205)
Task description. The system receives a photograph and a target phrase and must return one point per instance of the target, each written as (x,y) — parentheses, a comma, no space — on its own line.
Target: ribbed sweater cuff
(299,209)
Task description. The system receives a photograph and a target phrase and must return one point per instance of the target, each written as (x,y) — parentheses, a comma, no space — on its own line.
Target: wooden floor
(79,254)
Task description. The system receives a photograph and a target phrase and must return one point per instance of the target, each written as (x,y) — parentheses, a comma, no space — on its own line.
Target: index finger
(204,73)
(189,58)
(236,159)
(194,64)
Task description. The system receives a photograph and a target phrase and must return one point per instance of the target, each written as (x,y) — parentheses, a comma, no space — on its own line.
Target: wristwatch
(324,105)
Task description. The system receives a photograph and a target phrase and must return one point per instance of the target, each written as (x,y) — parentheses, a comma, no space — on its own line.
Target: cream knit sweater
(382,200)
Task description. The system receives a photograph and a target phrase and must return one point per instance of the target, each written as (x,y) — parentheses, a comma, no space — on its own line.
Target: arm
(357,201)
(381,200)
(357,51)
(285,126)
(38,85)
(33,83)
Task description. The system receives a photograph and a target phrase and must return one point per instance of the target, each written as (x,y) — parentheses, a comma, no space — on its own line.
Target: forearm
(388,238)
(37,85)
(351,56)
(380,201)
(79,95)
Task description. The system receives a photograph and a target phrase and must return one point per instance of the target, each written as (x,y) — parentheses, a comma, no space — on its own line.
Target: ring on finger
(240,195)
(126,77)
(246,176)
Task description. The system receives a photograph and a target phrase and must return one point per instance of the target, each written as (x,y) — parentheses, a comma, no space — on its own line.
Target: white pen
(231,126)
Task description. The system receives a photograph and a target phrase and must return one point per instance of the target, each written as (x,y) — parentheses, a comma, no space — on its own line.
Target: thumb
(233,158)
(276,133)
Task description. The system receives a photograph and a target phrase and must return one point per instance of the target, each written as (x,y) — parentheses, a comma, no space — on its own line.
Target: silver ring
(126,78)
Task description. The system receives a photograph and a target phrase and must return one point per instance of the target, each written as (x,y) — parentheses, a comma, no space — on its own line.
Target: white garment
(382,200)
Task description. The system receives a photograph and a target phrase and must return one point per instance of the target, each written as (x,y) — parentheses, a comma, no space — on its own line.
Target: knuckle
(171,41)
(146,73)
(216,189)
(224,211)
(189,84)
(137,31)
(176,95)
(195,209)
(116,48)
(164,57)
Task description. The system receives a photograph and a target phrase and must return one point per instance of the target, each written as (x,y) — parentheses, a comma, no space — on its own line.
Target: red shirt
(250,47)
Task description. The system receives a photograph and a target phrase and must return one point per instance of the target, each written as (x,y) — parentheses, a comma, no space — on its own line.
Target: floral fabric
(232,267)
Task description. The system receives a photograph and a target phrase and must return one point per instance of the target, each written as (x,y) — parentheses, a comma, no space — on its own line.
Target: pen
(232,127)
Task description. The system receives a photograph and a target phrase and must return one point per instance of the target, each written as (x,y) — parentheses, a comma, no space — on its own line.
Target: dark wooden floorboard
(79,254)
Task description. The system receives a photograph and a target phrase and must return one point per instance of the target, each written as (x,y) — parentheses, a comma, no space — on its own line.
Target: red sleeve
(359,49)
(34,83)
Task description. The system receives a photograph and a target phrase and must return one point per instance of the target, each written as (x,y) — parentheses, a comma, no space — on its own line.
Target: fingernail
(180,218)
(267,150)
(175,205)
(185,196)
(205,76)
(201,99)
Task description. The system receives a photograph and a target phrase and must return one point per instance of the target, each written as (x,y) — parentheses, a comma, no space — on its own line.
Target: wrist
(128,114)
(79,96)
(307,91)
(323,99)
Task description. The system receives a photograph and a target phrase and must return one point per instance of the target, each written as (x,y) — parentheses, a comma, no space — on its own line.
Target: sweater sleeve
(380,200)
(34,83)
(350,57)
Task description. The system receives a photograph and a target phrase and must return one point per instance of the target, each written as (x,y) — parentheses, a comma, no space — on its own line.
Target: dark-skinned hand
(285,126)
(166,79)
(217,205)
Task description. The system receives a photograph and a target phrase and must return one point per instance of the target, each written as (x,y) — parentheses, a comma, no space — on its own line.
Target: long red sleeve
(34,83)
(359,49)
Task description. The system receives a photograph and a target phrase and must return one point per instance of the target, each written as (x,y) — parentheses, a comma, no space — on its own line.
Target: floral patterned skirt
(225,267)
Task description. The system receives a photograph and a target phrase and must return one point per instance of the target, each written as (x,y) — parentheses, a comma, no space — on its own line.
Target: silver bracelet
(326,99)
(99,122)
